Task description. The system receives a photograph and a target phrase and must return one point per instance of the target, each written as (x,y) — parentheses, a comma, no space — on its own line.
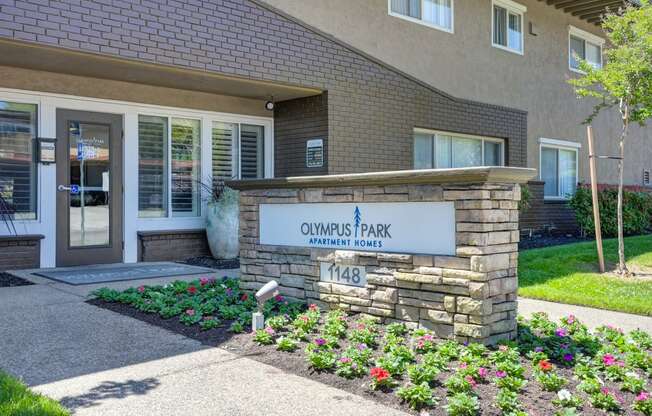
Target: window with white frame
(558,168)
(583,46)
(169,167)
(435,13)
(448,150)
(238,151)
(17,160)
(507,25)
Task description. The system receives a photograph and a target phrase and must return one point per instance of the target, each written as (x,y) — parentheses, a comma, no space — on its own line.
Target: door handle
(63,188)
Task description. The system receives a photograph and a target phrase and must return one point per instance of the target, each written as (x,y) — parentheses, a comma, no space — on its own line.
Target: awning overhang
(66,61)
(589,10)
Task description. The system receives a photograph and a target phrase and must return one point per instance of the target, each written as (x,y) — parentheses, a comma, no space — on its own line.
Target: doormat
(87,275)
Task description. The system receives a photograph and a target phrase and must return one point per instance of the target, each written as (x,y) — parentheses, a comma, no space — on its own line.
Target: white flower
(564,395)
(633,374)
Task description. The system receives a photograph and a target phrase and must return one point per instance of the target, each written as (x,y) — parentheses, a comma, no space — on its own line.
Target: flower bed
(208,303)
(554,368)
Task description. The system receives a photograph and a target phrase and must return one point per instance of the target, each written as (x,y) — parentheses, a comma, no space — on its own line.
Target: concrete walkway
(97,362)
(591,317)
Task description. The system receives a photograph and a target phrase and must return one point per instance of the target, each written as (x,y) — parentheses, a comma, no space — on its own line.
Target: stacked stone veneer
(469,296)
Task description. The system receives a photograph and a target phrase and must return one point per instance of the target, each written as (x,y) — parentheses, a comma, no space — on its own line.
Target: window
(447,150)
(17,160)
(434,13)
(238,151)
(507,23)
(169,168)
(558,168)
(583,46)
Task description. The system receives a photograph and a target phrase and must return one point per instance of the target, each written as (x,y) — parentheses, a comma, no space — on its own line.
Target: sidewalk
(592,317)
(97,362)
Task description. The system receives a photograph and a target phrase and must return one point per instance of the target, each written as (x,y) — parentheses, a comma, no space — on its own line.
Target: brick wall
(20,252)
(372,109)
(172,245)
(296,122)
(547,216)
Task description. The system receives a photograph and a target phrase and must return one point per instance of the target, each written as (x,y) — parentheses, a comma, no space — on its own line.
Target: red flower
(379,373)
(545,366)
(313,307)
(192,290)
(141,289)
(244,297)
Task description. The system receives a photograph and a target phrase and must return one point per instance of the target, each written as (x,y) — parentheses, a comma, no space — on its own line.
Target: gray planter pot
(222,221)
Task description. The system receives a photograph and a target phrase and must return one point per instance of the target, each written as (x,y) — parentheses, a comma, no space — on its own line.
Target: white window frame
(586,37)
(48,103)
(423,22)
(513,8)
(563,145)
(435,133)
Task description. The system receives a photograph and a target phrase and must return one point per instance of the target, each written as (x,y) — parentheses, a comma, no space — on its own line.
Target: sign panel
(393,227)
(343,274)
(315,153)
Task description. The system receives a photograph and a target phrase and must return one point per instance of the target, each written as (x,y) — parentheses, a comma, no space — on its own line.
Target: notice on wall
(392,227)
(315,153)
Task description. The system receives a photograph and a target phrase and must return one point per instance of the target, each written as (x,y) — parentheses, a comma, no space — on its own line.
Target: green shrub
(416,396)
(637,211)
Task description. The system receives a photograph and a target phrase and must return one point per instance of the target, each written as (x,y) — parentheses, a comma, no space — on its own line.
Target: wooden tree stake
(594,194)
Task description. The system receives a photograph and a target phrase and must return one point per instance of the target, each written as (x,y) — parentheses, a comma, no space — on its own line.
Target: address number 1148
(343,274)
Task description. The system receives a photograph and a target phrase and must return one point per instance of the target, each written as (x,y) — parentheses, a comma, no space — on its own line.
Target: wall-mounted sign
(343,274)
(315,153)
(46,150)
(394,227)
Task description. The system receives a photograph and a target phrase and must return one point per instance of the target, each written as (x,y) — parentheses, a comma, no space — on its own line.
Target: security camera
(264,294)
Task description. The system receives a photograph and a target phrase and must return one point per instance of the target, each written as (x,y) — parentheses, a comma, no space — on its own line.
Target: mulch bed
(539,241)
(212,263)
(9,280)
(535,401)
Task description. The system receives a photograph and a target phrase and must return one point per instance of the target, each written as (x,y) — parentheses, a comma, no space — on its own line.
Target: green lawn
(567,274)
(17,400)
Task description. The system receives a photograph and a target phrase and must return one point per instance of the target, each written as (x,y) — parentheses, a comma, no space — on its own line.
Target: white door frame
(48,103)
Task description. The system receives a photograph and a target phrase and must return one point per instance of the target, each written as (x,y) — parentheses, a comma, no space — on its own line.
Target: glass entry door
(89,188)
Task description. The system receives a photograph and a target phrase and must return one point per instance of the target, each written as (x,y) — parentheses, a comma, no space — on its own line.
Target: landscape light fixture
(264,294)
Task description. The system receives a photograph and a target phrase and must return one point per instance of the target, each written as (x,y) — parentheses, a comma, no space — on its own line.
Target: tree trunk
(622,266)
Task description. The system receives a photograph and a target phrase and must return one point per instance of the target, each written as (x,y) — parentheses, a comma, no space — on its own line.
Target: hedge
(637,210)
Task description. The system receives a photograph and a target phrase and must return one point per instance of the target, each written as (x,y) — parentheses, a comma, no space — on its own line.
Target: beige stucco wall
(41,81)
(465,64)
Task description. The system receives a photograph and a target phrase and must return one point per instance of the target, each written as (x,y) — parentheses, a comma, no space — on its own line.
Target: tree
(624,82)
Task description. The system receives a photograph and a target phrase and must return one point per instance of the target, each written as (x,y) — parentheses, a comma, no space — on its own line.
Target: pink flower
(141,289)
(470,380)
(192,290)
(604,391)
(482,372)
(501,374)
(203,281)
(643,396)
(561,332)
(463,365)
(270,330)
(320,341)
(313,307)
(278,298)
(570,319)
(345,360)
(608,360)
(190,312)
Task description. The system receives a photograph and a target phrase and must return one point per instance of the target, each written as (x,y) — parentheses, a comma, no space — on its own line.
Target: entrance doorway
(89,188)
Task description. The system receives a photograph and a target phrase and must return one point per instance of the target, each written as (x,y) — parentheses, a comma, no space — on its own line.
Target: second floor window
(508,25)
(435,13)
(584,46)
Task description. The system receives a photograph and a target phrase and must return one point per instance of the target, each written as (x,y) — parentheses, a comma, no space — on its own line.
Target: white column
(130,180)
